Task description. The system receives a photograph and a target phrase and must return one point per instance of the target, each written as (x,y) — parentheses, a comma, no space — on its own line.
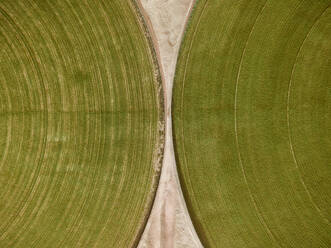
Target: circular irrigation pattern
(81,124)
(251,116)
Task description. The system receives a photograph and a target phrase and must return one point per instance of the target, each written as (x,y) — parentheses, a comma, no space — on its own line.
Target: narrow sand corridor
(169,225)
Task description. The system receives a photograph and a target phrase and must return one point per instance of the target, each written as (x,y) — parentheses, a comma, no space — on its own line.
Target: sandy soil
(169,225)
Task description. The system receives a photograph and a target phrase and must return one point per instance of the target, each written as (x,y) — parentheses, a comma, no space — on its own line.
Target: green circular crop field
(252,122)
(81,124)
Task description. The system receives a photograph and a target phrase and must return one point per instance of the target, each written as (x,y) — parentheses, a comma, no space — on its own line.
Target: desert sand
(169,225)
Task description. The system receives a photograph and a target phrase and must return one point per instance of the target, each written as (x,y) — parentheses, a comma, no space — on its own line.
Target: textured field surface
(80,124)
(252,122)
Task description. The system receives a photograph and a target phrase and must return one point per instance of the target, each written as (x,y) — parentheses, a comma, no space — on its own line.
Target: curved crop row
(81,124)
(251,120)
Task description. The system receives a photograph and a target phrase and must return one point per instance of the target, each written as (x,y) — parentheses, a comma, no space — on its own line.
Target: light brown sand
(169,225)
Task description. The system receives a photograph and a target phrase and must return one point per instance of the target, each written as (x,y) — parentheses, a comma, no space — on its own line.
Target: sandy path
(169,224)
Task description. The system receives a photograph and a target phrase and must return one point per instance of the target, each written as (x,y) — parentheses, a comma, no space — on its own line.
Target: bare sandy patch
(169,224)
